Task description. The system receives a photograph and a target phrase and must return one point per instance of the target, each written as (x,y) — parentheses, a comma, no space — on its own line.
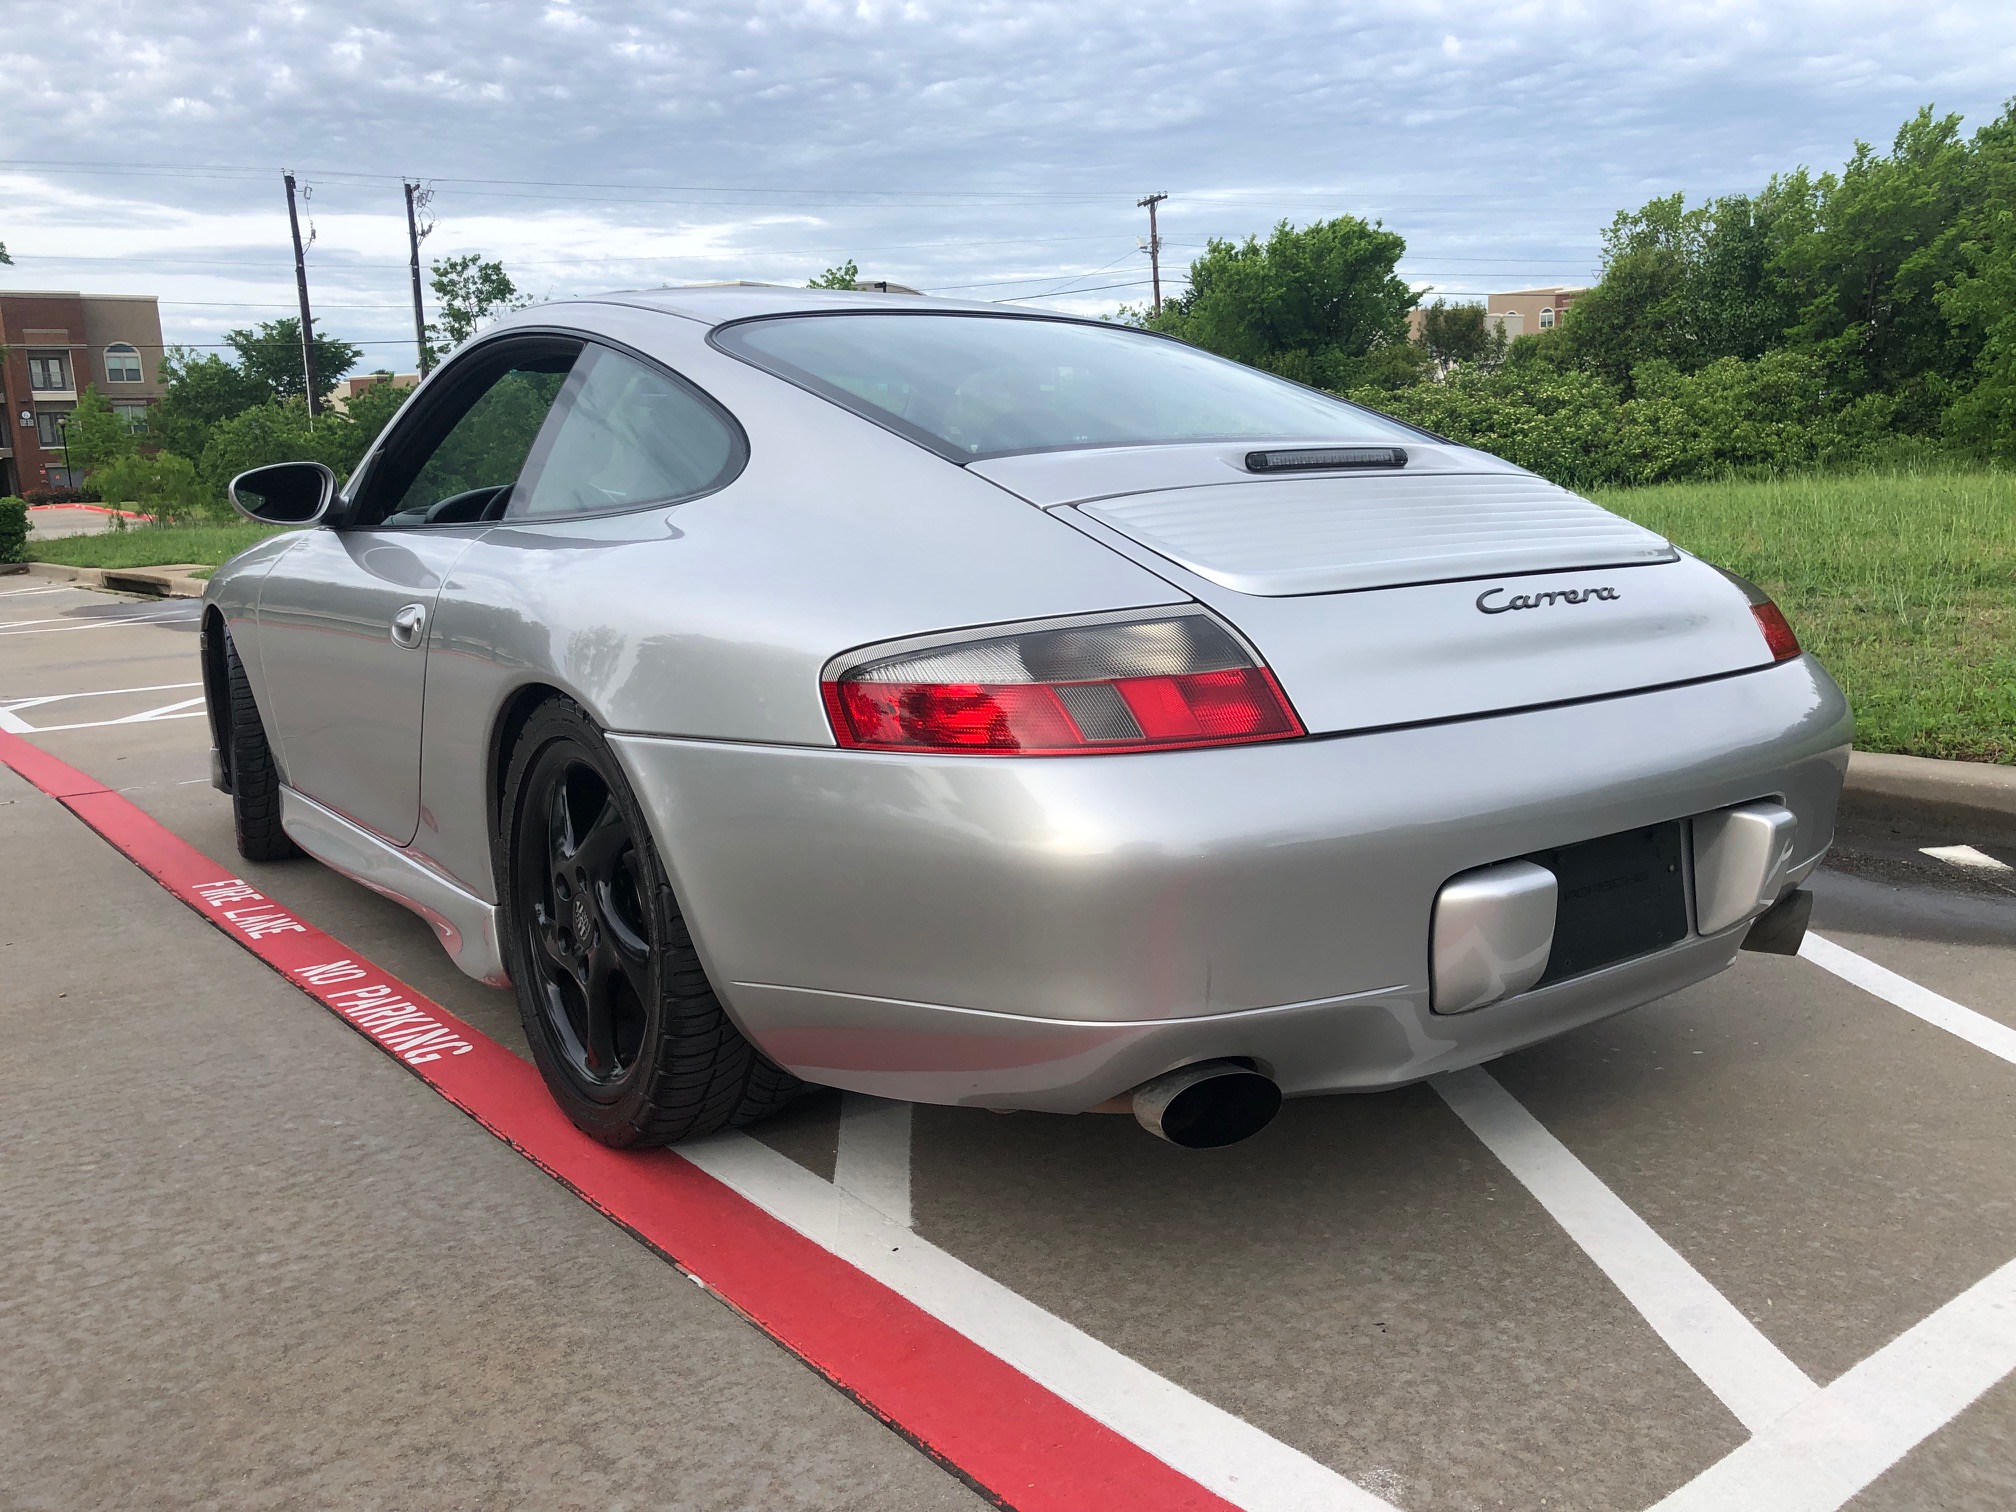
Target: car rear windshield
(974,386)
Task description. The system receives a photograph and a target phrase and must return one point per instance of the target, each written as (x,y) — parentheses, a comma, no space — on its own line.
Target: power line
(1520,194)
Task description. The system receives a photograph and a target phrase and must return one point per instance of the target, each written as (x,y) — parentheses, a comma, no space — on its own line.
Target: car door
(344,615)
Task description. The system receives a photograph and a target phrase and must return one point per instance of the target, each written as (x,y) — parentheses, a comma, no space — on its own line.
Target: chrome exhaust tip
(1206,1106)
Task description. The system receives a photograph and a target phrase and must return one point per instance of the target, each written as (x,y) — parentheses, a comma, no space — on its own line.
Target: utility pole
(1154,246)
(416,199)
(307,320)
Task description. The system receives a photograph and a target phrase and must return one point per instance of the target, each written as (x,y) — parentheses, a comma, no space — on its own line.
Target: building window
(49,427)
(48,371)
(122,363)
(132,414)
(1546,320)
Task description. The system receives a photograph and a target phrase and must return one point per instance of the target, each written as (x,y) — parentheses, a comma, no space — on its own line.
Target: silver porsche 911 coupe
(978,707)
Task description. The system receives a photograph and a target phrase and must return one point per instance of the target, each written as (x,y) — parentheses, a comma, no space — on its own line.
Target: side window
(628,435)
(469,472)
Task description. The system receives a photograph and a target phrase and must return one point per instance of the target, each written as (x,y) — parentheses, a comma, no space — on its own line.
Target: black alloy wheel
(590,931)
(623,1023)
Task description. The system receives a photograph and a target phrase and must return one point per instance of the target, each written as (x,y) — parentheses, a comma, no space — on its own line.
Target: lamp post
(63,430)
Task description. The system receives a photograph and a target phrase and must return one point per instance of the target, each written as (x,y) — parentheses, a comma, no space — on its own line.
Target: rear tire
(624,1026)
(255,777)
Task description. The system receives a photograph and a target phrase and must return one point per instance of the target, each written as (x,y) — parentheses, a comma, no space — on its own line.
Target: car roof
(716,304)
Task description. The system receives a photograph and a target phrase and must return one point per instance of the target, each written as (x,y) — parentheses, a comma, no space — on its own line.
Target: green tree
(842,277)
(1320,304)
(1457,333)
(352,431)
(4,258)
(1887,235)
(94,435)
(269,432)
(202,390)
(1689,287)
(271,356)
(472,290)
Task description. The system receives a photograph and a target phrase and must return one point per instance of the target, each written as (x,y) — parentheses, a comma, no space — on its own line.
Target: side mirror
(287,493)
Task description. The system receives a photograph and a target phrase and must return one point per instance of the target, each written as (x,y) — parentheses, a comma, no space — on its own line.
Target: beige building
(1524,312)
(57,344)
(349,388)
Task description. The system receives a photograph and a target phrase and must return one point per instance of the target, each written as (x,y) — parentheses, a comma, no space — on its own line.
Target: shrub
(164,485)
(1562,425)
(61,496)
(13,530)
(1775,413)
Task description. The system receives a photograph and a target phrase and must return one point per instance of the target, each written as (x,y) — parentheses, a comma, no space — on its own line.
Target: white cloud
(938,143)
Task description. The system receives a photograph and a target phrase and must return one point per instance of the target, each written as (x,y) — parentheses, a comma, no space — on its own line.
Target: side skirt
(470,930)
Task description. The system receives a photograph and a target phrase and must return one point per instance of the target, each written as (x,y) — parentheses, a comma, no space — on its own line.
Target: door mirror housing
(287,493)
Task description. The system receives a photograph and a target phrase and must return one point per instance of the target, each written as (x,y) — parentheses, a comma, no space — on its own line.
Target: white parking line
(873,1160)
(1749,1373)
(96,624)
(188,708)
(1977,1029)
(13,724)
(1226,1454)
(1965,855)
(1824,1451)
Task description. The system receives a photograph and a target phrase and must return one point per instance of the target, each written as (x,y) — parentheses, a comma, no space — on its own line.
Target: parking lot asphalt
(249,1263)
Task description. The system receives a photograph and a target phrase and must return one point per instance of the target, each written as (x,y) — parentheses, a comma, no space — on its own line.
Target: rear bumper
(1046,933)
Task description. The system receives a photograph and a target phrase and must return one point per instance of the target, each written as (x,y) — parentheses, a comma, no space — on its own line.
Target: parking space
(1750,1246)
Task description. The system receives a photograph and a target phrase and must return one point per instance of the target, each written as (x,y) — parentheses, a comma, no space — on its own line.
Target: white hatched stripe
(1241,1463)
(1977,1029)
(1750,1374)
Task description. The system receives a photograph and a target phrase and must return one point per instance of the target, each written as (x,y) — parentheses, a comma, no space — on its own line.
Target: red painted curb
(103,509)
(1016,1441)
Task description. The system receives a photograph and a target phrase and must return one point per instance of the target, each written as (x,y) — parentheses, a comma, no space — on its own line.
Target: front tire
(255,776)
(623,1024)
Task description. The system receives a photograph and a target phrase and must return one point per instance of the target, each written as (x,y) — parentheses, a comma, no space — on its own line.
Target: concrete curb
(1976,795)
(172,581)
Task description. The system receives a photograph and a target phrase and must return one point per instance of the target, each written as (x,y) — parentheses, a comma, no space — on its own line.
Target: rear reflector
(1777,632)
(1144,685)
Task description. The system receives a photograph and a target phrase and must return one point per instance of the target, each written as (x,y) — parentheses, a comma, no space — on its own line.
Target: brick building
(56,345)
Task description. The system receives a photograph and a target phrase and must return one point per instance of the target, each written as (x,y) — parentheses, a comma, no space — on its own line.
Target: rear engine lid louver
(1299,535)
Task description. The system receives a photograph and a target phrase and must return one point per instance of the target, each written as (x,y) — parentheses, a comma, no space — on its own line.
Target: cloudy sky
(991,149)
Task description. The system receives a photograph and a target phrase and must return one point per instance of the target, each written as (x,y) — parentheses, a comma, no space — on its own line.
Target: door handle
(409,624)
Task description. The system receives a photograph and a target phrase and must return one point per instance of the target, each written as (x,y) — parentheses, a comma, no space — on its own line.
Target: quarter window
(122,363)
(48,372)
(627,435)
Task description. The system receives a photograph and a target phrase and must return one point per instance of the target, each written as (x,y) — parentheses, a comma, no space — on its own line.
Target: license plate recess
(1621,896)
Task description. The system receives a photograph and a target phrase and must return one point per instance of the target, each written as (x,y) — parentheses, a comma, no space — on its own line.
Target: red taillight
(1777,633)
(1073,690)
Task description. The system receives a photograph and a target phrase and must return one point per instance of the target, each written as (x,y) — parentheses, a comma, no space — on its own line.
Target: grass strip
(151,545)
(1903,584)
